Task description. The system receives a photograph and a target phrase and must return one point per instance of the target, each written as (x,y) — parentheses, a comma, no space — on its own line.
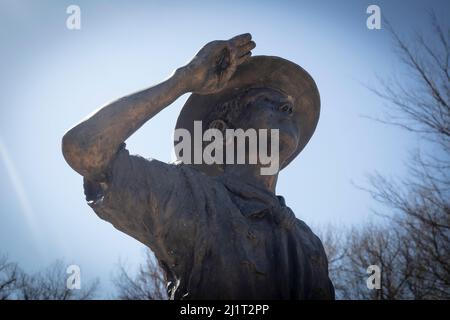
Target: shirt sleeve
(147,199)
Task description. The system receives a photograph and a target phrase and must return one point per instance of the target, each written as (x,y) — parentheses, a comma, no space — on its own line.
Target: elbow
(71,151)
(76,154)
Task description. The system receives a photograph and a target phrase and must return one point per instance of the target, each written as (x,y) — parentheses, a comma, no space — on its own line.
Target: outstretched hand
(212,67)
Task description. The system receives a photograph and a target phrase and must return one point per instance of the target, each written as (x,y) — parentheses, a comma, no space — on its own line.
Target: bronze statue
(218,231)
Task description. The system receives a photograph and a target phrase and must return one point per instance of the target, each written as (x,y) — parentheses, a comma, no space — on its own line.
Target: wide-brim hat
(260,72)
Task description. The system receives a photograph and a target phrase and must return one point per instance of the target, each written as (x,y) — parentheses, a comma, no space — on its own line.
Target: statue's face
(270,109)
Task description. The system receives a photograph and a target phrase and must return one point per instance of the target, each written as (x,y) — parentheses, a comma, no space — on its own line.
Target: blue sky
(52,77)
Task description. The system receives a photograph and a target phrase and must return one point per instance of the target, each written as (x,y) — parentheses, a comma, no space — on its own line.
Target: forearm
(89,146)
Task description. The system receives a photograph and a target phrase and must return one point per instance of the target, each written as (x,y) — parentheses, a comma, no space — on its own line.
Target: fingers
(244,52)
(246,48)
(243,58)
(241,47)
(240,39)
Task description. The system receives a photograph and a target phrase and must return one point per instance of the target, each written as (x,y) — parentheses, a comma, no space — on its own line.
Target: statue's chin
(287,148)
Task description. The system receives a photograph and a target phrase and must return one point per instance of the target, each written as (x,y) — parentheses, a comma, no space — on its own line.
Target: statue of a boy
(218,231)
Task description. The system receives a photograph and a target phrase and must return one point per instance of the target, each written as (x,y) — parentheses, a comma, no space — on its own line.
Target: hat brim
(261,71)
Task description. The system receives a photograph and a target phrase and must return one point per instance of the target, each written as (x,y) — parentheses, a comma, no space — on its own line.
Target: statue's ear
(219,125)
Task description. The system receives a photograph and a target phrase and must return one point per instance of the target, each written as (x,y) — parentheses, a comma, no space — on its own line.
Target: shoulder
(310,239)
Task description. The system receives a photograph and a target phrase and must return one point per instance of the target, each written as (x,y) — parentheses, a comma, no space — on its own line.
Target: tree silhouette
(412,244)
(49,284)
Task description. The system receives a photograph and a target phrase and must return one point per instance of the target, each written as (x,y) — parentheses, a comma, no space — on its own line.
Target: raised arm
(90,146)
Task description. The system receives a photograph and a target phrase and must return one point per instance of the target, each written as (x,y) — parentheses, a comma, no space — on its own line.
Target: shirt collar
(253,201)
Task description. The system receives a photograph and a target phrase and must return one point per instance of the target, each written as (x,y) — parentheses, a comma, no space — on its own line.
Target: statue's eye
(286,108)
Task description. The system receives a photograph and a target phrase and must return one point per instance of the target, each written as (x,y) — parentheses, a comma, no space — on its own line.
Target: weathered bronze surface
(218,232)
